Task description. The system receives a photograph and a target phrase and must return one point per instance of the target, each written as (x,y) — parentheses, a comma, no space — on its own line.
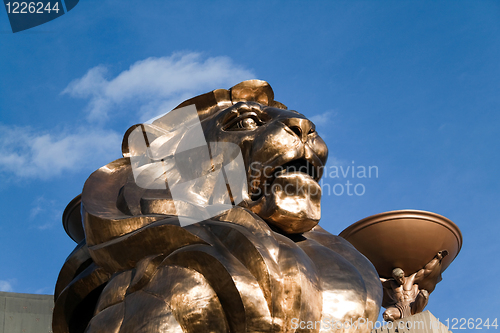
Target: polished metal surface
(410,249)
(262,266)
(408,239)
(72,220)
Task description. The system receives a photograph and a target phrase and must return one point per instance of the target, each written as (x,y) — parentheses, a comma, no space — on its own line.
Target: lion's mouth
(299,165)
(300,169)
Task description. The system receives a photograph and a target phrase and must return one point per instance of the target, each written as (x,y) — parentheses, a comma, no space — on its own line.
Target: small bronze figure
(403,296)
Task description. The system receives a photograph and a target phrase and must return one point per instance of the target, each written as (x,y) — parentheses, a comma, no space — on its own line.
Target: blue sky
(410,87)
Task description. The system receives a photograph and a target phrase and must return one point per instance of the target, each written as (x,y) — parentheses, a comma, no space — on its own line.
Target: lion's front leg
(176,299)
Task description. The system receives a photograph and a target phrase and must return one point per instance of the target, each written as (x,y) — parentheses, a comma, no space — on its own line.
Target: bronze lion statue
(262,264)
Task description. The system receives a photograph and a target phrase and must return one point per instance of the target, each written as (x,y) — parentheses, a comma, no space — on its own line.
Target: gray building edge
(25,313)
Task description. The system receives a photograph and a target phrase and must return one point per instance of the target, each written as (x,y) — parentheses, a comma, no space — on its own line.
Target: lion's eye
(244,122)
(247,123)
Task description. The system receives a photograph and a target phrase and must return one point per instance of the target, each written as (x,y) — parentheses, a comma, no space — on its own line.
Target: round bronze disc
(407,239)
(72,220)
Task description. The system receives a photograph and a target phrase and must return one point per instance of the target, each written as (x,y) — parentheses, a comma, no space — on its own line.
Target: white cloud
(6,286)
(44,291)
(28,154)
(152,86)
(46,211)
(323,119)
(322,122)
(155,82)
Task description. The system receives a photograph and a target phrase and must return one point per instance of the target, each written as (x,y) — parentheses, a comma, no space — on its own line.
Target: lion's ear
(252,91)
(255,91)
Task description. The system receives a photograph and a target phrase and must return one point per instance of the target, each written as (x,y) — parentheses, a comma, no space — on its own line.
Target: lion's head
(282,153)
(284,157)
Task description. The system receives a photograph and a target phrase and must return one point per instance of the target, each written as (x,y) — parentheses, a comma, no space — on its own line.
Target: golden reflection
(257,267)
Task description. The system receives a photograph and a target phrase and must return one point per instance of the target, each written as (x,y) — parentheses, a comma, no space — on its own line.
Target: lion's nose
(300,126)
